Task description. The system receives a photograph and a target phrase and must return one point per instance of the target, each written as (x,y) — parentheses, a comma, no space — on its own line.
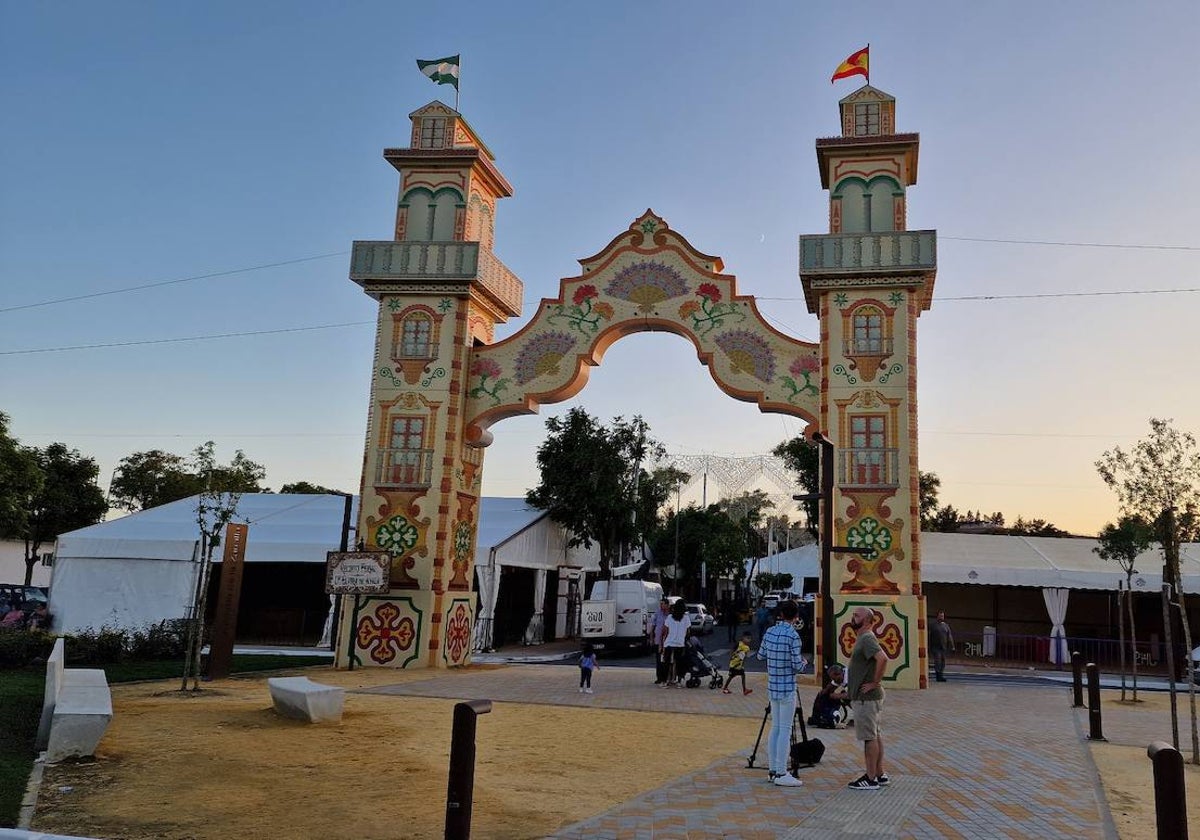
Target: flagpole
(868,62)
(458,85)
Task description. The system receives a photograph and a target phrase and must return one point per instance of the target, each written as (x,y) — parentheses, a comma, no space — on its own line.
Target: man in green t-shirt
(865,690)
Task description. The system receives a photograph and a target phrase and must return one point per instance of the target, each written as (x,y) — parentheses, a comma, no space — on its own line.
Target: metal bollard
(1093,674)
(1170,795)
(1077,678)
(461,790)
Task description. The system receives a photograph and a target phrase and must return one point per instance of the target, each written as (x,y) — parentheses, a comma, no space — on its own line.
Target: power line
(183,339)
(175,281)
(1074,244)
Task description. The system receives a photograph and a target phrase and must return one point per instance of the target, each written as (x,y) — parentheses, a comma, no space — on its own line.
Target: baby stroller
(698,666)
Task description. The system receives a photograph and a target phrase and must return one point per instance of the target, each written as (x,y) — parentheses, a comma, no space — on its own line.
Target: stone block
(81,714)
(303,699)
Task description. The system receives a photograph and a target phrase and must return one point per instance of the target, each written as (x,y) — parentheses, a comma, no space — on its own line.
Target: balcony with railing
(867,347)
(404,468)
(861,467)
(914,251)
(423,262)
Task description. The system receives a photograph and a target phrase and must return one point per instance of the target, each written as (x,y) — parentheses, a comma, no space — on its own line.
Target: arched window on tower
(430,216)
(868,207)
(415,337)
(868,337)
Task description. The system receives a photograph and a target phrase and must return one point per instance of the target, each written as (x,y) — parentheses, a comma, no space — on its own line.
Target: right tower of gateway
(868,280)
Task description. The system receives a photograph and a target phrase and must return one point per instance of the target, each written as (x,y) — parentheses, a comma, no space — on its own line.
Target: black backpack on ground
(807,752)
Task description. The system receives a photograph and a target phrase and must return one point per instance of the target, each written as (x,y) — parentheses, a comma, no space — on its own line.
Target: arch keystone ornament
(441,382)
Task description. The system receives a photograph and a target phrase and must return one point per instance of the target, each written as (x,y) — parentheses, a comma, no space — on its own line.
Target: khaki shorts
(866,719)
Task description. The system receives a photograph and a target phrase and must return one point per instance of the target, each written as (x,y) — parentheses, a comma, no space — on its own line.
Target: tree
(708,537)
(1124,542)
(803,457)
(946,520)
(929,485)
(67,498)
(748,511)
(1036,528)
(304,487)
(20,482)
(591,480)
(222,487)
(773,582)
(1159,481)
(148,479)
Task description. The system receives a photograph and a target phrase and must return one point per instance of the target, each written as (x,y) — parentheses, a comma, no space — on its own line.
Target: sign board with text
(358,572)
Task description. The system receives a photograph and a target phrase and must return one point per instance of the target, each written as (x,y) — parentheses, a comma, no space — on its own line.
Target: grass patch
(20,710)
(21,692)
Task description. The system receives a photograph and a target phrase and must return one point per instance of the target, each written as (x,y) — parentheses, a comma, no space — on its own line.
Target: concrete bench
(76,709)
(303,699)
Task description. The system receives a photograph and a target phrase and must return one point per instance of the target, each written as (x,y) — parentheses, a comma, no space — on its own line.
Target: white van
(619,613)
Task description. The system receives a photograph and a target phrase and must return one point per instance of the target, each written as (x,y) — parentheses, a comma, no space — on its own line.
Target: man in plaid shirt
(780,647)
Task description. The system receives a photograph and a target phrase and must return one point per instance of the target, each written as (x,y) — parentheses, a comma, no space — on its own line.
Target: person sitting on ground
(737,664)
(831,708)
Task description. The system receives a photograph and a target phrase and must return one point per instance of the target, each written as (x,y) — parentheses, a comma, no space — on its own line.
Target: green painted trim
(897,190)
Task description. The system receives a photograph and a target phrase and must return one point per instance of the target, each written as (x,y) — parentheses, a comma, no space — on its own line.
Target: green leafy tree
(1158,480)
(803,457)
(1036,528)
(929,485)
(20,482)
(304,487)
(946,520)
(1124,543)
(773,581)
(708,537)
(592,479)
(67,498)
(148,479)
(748,510)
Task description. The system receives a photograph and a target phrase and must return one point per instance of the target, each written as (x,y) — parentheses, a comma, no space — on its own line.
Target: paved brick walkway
(967,759)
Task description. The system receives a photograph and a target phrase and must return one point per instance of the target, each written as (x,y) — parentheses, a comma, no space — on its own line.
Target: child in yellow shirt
(737,664)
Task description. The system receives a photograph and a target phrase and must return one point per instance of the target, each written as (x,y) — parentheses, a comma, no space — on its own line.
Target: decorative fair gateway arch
(648,279)
(440,381)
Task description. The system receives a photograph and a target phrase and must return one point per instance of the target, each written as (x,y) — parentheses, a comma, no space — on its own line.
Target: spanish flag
(855,65)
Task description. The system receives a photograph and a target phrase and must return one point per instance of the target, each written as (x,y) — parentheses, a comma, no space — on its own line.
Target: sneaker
(883,780)
(788,780)
(581,691)
(663,685)
(864,782)
(747,691)
(726,691)
(771,776)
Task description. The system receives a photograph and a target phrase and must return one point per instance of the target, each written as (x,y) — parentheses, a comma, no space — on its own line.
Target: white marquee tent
(140,569)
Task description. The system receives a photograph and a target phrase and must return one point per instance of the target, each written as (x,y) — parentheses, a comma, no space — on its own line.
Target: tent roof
(800,562)
(500,519)
(284,527)
(1042,561)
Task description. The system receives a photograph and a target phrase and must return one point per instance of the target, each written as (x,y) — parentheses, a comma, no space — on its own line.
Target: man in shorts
(865,690)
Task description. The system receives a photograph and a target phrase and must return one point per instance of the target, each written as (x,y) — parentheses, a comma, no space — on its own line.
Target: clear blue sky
(145,142)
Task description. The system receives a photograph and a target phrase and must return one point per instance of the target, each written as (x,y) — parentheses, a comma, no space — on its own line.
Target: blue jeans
(779,744)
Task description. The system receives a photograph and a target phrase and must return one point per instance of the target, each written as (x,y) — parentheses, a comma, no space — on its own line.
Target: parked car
(15,593)
(702,620)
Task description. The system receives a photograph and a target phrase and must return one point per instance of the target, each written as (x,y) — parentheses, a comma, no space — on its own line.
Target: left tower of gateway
(440,292)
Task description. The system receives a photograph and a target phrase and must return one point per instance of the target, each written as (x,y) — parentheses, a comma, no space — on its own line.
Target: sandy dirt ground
(222,764)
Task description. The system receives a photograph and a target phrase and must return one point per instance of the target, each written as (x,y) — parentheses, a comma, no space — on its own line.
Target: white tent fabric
(139,569)
(801,562)
(1056,606)
(1043,562)
(535,634)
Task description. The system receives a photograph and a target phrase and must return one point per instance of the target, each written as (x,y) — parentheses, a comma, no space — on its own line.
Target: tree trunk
(1132,634)
(1170,657)
(1121,631)
(1191,672)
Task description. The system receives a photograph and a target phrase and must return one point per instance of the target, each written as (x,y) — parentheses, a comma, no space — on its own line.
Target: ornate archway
(648,278)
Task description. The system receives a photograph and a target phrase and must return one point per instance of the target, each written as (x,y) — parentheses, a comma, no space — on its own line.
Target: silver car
(702,620)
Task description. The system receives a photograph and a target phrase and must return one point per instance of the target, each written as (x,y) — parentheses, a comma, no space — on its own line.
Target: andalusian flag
(443,71)
(855,65)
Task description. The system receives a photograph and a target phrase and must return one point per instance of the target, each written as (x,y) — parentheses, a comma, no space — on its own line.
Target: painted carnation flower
(688,307)
(804,365)
(710,291)
(485,367)
(584,293)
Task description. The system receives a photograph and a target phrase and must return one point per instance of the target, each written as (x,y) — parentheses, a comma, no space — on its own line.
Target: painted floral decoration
(871,535)
(385,634)
(800,380)
(458,633)
(462,540)
(585,313)
(748,353)
(397,535)
(542,355)
(647,284)
(709,312)
(486,368)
